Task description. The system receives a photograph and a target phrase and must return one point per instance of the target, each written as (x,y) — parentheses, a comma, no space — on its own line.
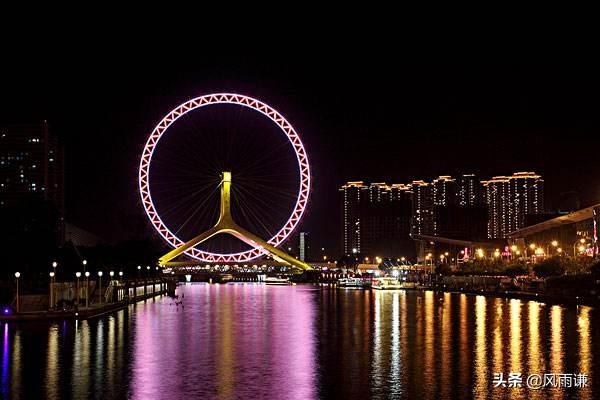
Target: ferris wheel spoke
(198,208)
(270,174)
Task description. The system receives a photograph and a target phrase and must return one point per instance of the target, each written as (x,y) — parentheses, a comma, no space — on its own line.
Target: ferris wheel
(240,170)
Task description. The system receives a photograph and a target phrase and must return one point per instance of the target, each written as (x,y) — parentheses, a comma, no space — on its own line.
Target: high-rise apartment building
(386,221)
(32,169)
(526,193)
(31,165)
(422,206)
(304,247)
(351,195)
(470,191)
(376,219)
(510,199)
(444,191)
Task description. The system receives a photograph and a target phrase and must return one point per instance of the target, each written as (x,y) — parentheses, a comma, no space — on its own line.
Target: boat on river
(386,283)
(274,280)
(352,283)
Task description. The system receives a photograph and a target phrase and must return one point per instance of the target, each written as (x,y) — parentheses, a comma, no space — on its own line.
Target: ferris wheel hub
(226,224)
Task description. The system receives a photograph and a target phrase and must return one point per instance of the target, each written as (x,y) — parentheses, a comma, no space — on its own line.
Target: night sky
(361,118)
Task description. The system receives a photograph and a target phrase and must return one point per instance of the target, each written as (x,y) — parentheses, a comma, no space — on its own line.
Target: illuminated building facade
(304,246)
(462,208)
(351,195)
(386,221)
(470,191)
(510,199)
(423,221)
(376,219)
(32,168)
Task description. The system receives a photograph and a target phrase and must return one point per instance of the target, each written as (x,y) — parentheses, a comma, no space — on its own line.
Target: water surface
(253,341)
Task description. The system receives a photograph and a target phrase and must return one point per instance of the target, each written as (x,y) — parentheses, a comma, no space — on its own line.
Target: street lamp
(120,273)
(54,265)
(17,276)
(87,288)
(51,302)
(84,262)
(78,275)
(581,243)
(100,286)
(111,273)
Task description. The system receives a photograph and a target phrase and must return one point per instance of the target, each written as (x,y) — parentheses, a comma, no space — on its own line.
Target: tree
(549,267)
(443,269)
(515,269)
(595,268)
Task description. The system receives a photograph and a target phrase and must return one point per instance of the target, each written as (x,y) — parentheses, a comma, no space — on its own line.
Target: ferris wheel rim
(213,99)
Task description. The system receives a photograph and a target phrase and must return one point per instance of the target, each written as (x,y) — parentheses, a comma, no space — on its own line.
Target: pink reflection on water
(230,341)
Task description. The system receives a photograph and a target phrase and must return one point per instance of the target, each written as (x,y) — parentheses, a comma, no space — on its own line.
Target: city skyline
(443,120)
(445,206)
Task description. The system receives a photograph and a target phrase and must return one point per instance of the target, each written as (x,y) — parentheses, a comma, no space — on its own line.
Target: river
(250,341)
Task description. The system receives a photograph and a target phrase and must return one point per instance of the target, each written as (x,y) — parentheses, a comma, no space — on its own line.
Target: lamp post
(78,275)
(554,244)
(532,246)
(87,288)
(54,265)
(51,303)
(100,286)
(582,242)
(17,276)
(84,263)
(139,271)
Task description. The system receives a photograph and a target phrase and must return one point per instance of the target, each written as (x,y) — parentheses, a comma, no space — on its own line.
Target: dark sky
(361,117)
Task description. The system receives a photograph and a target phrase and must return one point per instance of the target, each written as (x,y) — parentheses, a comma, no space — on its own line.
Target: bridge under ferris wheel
(226,225)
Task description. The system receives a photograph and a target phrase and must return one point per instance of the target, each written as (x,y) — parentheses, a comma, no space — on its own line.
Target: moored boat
(273,280)
(350,283)
(386,283)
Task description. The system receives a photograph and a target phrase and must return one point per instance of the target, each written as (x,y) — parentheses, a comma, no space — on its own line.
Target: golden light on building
(582,241)
(554,243)
(539,251)
(532,246)
(559,250)
(480,253)
(581,248)
(514,248)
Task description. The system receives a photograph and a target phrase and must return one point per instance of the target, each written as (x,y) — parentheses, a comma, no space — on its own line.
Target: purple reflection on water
(4,384)
(230,341)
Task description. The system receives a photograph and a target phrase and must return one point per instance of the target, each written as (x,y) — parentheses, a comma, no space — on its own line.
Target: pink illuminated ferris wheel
(224,165)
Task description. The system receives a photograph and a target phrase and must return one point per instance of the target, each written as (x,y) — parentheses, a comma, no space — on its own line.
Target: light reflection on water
(301,342)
